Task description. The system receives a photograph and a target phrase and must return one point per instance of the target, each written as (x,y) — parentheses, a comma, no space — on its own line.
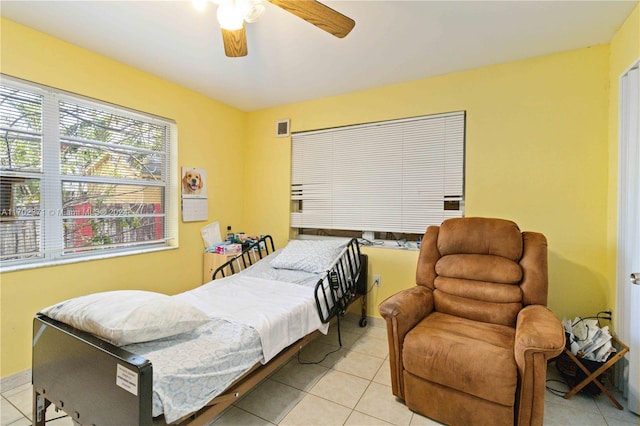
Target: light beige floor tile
(373,346)
(579,402)
(383,376)
(359,364)
(331,338)
(342,388)
(18,390)
(353,327)
(324,339)
(8,413)
(377,322)
(610,411)
(377,332)
(22,422)
(323,354)
(418,420)
(582,401)
(313,410)
(299,376)
(348,338)
(21,398)
(563,415)
(360,419)
(238,417)
(599,404)
(271,400)
(618,422)
(379,402)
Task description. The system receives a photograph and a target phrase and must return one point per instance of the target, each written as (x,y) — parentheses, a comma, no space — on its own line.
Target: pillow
(128,316)
(309,255)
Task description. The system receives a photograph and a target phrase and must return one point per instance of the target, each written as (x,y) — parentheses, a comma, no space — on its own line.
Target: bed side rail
(342,283)
(88,378)
(250,255)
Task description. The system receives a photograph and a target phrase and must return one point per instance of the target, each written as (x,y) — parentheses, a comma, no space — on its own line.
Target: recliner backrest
(483,269)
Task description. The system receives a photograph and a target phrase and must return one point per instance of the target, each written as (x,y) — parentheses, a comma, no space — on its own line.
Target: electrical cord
(371,287)
(596,317)
(557,392)
(325,355)
(317,362)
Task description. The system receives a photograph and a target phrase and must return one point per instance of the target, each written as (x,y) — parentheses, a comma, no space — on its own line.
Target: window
(79,178)
(391,178)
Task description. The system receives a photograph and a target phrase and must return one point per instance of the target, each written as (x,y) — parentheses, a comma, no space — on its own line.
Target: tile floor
(349,387)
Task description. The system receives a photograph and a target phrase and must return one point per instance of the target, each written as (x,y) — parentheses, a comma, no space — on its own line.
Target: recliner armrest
(538,330)
(539,337)
(402,312)
(407,307)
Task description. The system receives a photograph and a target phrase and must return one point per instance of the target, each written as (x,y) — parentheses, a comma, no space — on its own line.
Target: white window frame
(51,241)
(396,176)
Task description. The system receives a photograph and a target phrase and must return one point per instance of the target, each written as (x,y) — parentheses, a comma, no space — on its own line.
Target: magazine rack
(593,376)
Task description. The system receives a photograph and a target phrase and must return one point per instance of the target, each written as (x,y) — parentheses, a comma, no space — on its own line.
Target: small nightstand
(211,262)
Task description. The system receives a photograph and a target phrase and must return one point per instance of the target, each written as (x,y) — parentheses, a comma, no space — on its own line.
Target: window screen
(395,176)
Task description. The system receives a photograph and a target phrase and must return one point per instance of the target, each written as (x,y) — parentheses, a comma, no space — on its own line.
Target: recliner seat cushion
(469,356)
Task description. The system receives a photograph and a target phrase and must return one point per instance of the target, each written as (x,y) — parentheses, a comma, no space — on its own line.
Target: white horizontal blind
(96,177)
(394,176)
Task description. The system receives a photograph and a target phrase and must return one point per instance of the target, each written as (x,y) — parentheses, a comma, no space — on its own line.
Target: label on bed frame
(127,379)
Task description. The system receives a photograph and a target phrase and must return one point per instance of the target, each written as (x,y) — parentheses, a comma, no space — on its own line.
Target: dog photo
(193,181)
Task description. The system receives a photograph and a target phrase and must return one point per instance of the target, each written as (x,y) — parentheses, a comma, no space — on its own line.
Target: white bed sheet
(281,312)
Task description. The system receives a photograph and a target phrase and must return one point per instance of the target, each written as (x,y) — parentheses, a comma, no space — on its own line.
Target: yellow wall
(211,136)
(625,51)
(536,153)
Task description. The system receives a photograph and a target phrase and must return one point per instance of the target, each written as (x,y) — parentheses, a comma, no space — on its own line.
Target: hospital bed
(255,320)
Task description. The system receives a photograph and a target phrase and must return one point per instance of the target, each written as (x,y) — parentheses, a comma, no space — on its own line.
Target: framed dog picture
(194,182)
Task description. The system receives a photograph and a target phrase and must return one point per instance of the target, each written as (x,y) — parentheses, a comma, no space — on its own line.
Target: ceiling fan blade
(319,15)
(235,42)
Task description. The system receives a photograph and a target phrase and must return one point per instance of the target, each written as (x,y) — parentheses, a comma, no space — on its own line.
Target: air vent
(282,128)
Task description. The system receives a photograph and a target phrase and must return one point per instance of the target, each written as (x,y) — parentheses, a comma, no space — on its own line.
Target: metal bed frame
(97,383)
(255,252)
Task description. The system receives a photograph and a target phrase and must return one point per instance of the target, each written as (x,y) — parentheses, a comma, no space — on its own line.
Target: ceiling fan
(232,15)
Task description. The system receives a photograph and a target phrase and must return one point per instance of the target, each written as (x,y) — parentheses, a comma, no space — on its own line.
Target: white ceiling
(291,61)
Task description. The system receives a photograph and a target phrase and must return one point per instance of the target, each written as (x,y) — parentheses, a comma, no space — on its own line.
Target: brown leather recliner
(469,344)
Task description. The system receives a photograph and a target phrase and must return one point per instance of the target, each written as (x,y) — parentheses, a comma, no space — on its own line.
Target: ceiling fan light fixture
(199,5)
(252,10)
(230,17)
